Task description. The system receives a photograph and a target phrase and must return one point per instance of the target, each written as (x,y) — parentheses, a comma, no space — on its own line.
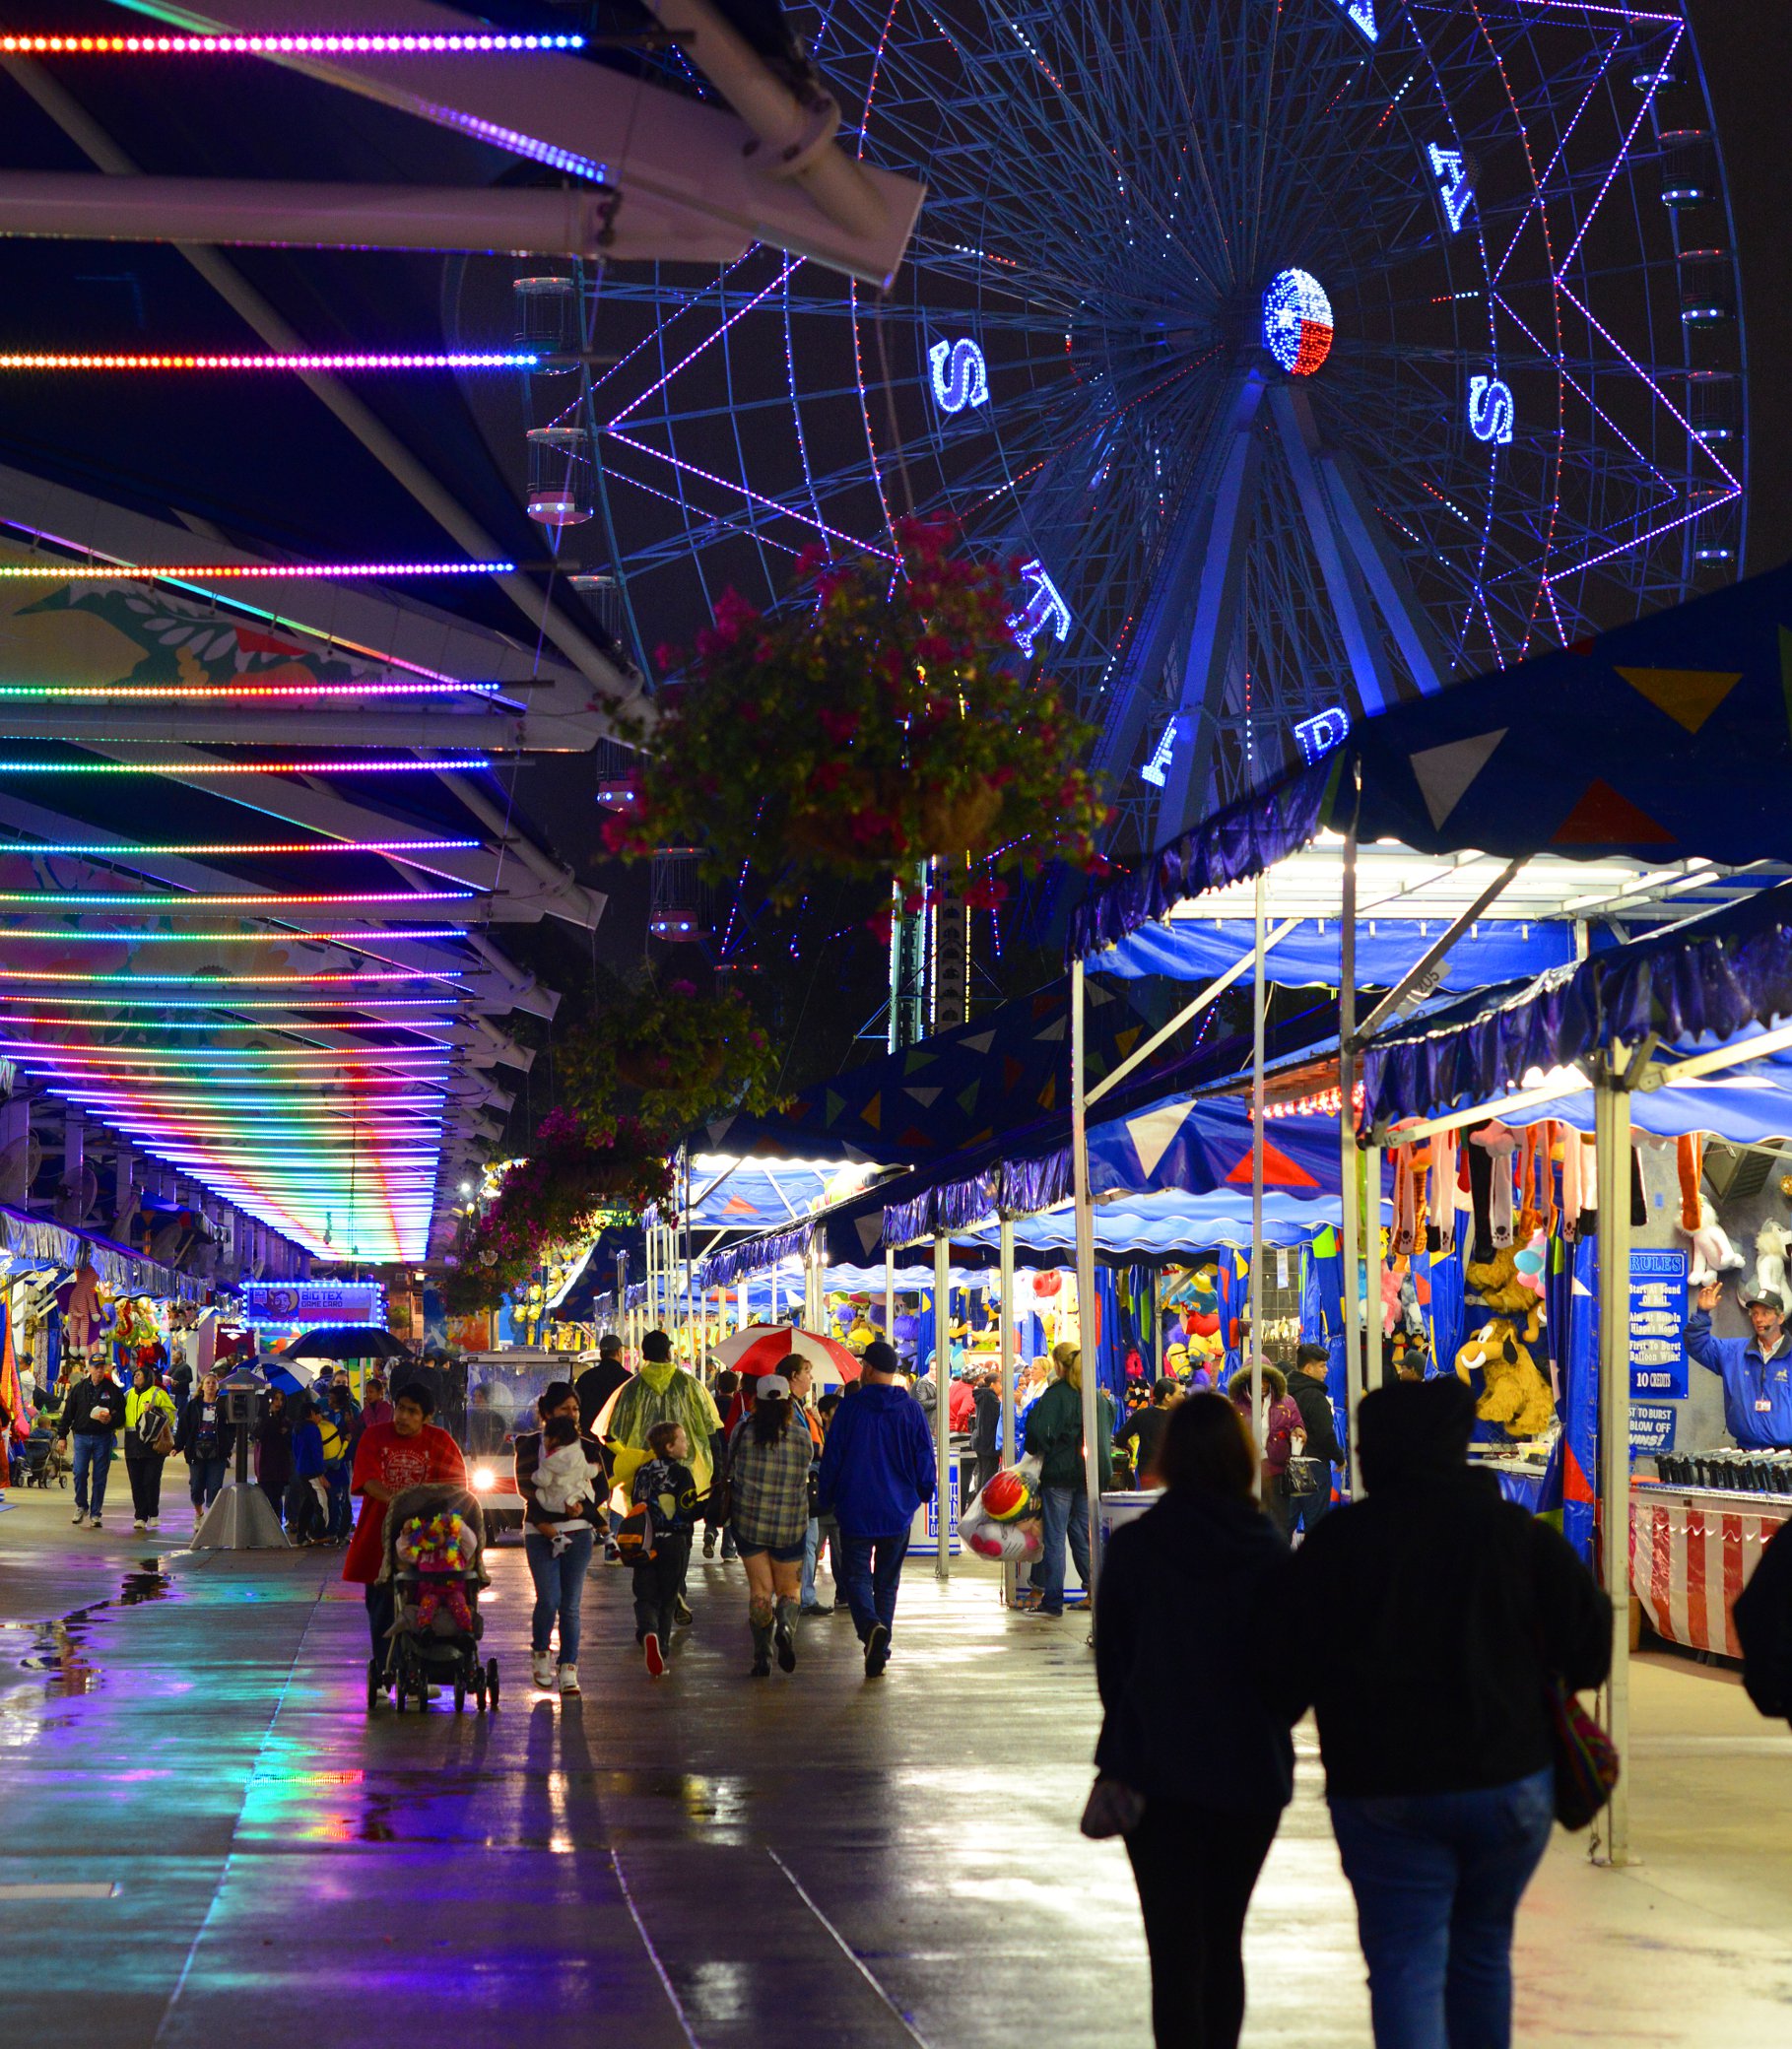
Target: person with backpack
(338,1420)
(149,1437)
(308,1494)
(206,1441)
(769,1461)
(1436,1629)
(1183,1589)
(1054,1436)
(557,1564)
(654,1539)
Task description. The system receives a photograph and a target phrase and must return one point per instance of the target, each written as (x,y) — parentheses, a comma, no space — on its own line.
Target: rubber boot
(762,1648)
(785,1634)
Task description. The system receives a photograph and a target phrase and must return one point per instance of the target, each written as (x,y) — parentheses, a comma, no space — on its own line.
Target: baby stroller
(37,1458)
(434,1558)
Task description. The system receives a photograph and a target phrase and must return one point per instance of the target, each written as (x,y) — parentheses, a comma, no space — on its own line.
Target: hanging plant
(886,721)
(673,1057)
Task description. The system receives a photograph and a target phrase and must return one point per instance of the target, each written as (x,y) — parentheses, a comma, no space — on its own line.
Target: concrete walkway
(208,1842)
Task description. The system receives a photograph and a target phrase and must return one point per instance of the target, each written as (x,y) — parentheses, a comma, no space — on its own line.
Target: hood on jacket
(1415,1431)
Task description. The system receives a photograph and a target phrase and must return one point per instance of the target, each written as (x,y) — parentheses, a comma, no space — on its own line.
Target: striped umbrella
(758,1348)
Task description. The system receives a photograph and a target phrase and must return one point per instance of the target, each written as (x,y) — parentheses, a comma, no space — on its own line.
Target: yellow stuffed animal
(1514,1394)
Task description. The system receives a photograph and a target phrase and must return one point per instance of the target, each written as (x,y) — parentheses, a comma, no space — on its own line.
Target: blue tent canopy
(1663,741)
(1387,948)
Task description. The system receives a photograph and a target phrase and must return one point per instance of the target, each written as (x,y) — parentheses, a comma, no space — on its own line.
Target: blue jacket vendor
(1756,1371)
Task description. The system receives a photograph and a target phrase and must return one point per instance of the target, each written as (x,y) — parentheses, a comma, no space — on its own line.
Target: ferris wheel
(1302,355)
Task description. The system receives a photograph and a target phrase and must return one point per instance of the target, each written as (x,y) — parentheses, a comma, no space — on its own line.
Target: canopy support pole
(1005,1356)
(890,1295)
(1417,979)
(1085,1274)
(1186,1014)
(1612,1135)
(1259,921)
(1369,1167)
(1347,1127)
(942,1384)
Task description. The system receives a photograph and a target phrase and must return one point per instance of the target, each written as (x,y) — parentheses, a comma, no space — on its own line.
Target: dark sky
(1746,47)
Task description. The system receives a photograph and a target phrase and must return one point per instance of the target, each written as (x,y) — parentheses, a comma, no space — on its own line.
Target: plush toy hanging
(1712,1252)
(440,1548)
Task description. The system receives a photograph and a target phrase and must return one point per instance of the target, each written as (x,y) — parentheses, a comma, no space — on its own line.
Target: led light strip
(103,572)
(230,693)
(383,43)
(301,1028)
(232,1004)
(357,934)
(145,902)
(459,360)
(197,849)
(405,764)
(233,981)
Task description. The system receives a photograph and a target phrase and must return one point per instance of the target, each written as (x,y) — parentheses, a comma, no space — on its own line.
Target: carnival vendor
(1756,1372)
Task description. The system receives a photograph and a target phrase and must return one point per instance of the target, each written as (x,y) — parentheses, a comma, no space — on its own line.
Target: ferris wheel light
(959,375)
(457,359)
(1297,322)
(1322,732)
(1491,409)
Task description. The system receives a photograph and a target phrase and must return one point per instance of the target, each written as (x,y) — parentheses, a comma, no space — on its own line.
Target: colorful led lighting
(235,981)
(456,359)
(355,935)
(145,902)
(213,1023)
(227,693)
(197,849)
(114,572)
(402,764)
(233,1004)
(383,43)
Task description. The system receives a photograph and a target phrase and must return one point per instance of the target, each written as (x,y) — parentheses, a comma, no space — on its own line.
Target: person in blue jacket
(878,1467)
(1756,1372)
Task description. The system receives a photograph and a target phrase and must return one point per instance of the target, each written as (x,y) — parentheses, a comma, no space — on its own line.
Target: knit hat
(657,1347)
(1414,1428)
(880,1358)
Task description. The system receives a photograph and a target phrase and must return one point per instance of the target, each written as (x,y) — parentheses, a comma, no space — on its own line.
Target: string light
(402,764)
(116,572)
(144,901)
(221,847)
(383,43)
(458,359)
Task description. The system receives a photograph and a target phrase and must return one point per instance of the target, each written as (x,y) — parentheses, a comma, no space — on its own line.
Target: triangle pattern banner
(1444,774)
(1605,817)
(1688,696)
(1153,1134)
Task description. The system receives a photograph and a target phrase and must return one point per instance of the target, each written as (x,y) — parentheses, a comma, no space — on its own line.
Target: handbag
(160,1443)
(1585,1757)
(1301,1477)
(1113,1808)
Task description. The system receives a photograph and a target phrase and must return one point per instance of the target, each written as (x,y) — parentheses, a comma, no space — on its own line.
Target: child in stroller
(35,1459)
(434,1558)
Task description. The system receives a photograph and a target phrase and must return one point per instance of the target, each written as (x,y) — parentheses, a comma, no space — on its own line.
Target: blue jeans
(1437,1879)
(336,1479)
(1066,1518)
(203,1479)
(93,1462)
(812,1551)
(559,1582)
(873,1571)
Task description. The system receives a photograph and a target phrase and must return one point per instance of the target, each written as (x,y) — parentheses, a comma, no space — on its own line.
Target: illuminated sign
(959,375)
(1158,767)
(1297,322)
(313,1302)
(1490,409)
(1450,169)
(1045,609)
(1322,732)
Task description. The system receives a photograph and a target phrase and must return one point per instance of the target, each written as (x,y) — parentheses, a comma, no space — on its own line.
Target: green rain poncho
(661,1392)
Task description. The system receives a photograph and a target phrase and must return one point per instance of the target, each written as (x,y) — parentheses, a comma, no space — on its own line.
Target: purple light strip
(1649,100)
(1653,533)
(1537,195)
(710,341)
(757,498)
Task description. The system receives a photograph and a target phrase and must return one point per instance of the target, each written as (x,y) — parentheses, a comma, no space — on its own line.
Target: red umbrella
(759,1347)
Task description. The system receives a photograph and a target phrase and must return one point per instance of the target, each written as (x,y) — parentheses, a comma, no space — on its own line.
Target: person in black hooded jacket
(1182,1589)
(1424,1625)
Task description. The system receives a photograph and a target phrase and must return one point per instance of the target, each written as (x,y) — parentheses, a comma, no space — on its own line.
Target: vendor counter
(1692,1551)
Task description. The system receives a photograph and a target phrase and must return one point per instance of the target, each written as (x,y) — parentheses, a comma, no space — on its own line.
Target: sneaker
(680,1612)
(152,1522)
(93,1522)
(541,1670)
(708,1544)
(568,1678)
(876,1651)
(80,1518)
(140,1524)
(656,1658)
(816,1608)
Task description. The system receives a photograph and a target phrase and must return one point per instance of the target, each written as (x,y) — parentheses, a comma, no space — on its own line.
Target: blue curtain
(1447,1316)
(1573,1304)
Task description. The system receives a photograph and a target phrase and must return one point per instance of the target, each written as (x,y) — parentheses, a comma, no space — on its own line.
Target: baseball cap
(1768,1297)
(772,1387)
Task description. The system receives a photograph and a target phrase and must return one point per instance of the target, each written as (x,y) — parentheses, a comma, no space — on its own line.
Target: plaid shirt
(770,1486)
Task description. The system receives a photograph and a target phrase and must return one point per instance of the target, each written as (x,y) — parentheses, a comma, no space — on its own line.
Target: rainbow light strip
(219,846)
(231,981)
(93,572)
(402,764)
(144,901)
(355,935)
(286,1004)
(215,1023)
(459,360)
(246,692)
(381,44)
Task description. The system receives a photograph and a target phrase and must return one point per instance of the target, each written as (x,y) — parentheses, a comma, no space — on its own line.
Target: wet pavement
(207,1838)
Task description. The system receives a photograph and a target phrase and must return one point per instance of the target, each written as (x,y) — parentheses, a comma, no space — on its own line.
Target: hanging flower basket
(884,717)
(670,1059)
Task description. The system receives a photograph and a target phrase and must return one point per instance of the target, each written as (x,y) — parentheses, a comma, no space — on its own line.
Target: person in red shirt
(408,1451)
(960,1404)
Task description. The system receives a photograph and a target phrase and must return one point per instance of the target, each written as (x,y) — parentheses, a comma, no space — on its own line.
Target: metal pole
(1005,1357)
(1347,1128)
(942,1421)
(1086,1274)
(1612,1135)
(1257,1277)
(1368,1162)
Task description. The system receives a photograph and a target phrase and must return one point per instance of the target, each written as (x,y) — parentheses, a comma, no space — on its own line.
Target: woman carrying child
(561,1516)
(768,1484)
